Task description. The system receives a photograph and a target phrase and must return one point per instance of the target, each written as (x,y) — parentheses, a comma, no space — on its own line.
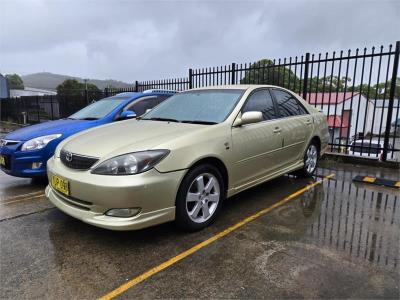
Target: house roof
(330,98)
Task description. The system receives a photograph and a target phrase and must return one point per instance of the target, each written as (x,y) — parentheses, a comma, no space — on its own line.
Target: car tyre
(311,156)
(200,197)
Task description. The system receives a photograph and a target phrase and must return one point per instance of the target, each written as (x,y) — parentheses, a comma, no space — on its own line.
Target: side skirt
(268,177)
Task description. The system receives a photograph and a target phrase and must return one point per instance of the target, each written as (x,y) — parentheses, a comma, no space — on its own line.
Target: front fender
(187,151)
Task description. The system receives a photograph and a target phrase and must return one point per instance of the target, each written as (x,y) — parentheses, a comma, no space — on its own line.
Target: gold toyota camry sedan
(182,159)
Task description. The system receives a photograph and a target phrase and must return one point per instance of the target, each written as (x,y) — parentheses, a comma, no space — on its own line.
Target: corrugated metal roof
(330,98)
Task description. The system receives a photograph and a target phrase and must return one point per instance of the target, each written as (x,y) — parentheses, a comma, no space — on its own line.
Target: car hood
(127,136)
(65,126)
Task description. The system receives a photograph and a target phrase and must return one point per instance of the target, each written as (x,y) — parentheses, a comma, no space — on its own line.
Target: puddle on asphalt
(358,220)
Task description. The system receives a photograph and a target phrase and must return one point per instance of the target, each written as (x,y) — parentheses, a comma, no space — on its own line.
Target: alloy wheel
(311,158)
(202,197)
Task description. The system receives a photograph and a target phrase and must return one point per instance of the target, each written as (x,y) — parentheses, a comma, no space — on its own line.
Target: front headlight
(39,142)
(131,163)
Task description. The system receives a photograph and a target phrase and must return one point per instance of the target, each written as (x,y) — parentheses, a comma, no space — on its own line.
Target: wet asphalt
(337,240)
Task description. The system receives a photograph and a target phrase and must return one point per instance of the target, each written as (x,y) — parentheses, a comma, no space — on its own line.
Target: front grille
(76,161)
(4,142)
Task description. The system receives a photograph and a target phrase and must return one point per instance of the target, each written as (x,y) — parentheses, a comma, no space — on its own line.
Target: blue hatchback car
(24,152)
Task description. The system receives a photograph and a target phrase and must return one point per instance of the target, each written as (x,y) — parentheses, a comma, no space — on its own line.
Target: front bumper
(91,196)
(20,162)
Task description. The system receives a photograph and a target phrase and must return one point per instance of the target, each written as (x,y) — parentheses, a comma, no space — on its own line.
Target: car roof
(129,96)
(126,94)
(373,141)
(237,87)
(146,92)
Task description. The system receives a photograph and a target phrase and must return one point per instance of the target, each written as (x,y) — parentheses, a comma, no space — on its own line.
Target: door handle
(308,122)
(277,130)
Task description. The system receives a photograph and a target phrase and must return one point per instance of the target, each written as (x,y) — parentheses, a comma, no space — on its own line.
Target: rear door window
(288,105)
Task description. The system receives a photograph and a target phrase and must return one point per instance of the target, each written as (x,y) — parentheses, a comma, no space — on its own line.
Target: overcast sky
(139,40)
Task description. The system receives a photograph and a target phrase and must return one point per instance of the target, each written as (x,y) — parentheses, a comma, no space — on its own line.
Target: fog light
(36,164)
(123,212)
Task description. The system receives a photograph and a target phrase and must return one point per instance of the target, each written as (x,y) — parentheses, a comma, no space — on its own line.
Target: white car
(369,148)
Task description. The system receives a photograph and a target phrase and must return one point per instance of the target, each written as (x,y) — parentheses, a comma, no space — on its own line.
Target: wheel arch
(317,141)
(216,162)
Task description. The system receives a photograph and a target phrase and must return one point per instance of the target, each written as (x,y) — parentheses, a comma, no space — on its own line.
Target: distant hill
(50,81)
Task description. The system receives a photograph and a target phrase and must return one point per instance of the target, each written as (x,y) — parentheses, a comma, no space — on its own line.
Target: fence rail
(358,90)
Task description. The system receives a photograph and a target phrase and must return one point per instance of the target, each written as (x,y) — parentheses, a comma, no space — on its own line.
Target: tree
(15,82)
(266,72)
(73,87)
(378,91)
(329,83)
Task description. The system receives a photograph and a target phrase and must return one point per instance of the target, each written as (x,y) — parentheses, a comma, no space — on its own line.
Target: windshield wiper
(199,122)
(89,118)
(162,119)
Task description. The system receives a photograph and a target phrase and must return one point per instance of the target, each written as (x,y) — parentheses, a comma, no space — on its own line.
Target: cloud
(139,40)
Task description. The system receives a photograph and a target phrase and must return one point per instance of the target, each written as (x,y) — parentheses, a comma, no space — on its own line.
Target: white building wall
(381,112)
(360,108)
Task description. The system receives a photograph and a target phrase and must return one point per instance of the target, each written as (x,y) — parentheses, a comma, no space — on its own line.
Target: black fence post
(51,106)
(106,91)
(305,78)
(38,108)
(136,89)
(391,101)
(233,78)
(86,95)
(190,79)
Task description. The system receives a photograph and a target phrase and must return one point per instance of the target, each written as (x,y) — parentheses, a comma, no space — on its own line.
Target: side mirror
(127,114)
(249,117)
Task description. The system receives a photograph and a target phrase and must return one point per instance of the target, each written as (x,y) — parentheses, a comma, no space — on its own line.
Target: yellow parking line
(118,291)
(24,199)
(24,195)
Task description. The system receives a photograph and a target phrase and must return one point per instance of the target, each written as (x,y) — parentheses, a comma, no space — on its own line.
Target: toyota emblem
(68,156)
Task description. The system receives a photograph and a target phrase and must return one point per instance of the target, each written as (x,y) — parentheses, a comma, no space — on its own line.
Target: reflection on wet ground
(337,240)
(14,187)
(361,222)
(21,196)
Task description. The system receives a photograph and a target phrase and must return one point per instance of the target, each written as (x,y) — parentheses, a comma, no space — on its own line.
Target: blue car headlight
(39,142)
(131,163)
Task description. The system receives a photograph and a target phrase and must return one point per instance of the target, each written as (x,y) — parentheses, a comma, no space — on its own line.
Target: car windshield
(201,107)
(98,110)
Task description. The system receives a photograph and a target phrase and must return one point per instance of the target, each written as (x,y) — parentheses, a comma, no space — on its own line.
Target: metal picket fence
(358,90)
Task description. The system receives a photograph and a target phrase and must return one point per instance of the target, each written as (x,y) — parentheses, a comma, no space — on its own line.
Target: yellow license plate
(2,160)
(60,184)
